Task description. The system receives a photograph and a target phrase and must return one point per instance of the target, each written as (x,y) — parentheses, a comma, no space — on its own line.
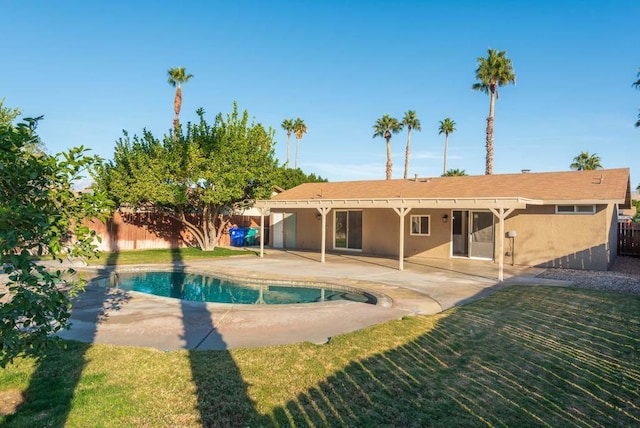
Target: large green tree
(385,127)
(636,84)
(586,162)
(8,114)
(288,125)
(200,177)
(493,71)
(40,214)
(288,178)
(411,121)
(178,76)
(447,126)
(299,128)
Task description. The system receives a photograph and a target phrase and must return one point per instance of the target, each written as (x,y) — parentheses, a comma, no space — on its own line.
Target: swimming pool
(208,288)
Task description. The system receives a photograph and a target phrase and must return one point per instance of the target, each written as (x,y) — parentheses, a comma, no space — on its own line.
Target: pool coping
(167,323)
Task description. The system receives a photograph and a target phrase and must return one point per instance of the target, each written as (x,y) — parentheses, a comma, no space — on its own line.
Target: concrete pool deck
(425,286)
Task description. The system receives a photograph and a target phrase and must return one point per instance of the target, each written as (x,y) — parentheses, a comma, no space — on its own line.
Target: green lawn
(162,256)
(525,356)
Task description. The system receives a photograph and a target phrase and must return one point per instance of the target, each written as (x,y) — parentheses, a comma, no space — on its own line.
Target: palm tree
(586,162)
(637,86)
(384,127)
(299,128)
(287,125)
(411,121)
(447,126)
(178,76)
(455,173)
(493,71)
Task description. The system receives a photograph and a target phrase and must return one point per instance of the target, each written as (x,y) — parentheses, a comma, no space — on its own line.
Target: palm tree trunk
(288,145)
(389,165)
(177,104)
(406,154)
(489,163)
(297,148)
(446,143)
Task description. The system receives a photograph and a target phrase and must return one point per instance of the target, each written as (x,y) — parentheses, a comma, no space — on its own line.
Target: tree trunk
(489,144)
(489,163)
(406,154)
(288,145)
(177,104)
(446,143)
(297,148)
(205,234)
(389,164)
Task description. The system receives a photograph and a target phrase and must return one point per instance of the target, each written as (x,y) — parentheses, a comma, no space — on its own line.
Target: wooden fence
(139,231)
(628,239)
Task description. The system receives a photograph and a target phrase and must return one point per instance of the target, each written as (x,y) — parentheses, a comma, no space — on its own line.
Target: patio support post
(262,212)
(502,214)
(323,212)
(402,212)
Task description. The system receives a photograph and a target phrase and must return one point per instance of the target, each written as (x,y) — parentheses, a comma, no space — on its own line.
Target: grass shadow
(516,359)
(211,371)
(52,386)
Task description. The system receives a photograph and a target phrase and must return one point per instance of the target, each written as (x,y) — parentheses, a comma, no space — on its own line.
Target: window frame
(420,216)
(576,209)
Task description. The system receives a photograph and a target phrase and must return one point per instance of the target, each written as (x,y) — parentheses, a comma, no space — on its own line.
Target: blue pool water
(205,288)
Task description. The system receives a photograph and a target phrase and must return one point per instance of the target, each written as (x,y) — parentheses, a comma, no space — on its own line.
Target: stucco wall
(437,244)
(544,238)
(574,241)
(379,232)
(308,229)
(613,233)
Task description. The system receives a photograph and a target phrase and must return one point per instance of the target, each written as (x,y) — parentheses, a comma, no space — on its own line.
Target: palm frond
(384,124)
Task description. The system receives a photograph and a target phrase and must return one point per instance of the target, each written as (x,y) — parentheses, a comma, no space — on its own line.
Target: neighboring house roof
(570,187)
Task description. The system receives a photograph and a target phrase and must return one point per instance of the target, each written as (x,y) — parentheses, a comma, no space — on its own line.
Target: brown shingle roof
(606,185)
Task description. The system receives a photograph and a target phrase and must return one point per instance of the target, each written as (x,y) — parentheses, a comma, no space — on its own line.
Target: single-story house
(551,219)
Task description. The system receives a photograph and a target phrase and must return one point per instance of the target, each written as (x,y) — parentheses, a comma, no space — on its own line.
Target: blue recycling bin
(237,236)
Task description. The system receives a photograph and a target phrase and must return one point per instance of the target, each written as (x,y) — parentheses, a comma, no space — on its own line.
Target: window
(420,225)
(575,209)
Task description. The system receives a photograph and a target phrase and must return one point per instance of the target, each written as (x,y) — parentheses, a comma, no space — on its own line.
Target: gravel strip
(623,276)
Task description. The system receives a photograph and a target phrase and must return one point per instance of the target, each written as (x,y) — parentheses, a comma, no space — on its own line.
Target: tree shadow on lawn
(222,398)
(523,357)
(52,386)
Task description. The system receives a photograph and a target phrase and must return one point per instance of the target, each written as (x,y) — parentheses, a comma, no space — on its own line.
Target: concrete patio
(106,315)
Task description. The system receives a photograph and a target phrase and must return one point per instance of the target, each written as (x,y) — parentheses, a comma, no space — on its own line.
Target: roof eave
(440,203)
(584,202)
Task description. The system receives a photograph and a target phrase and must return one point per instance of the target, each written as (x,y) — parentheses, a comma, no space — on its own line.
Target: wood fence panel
(628,239)
(141,231)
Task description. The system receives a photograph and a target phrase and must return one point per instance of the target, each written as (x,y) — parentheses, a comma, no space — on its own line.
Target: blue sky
(96,68)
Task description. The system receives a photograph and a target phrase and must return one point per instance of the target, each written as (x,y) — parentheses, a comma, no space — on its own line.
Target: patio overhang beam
(433,203)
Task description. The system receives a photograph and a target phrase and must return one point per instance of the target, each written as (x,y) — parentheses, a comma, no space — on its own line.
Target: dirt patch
(10,401)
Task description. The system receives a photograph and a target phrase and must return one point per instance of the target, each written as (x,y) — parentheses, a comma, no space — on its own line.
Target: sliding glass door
(348,230)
